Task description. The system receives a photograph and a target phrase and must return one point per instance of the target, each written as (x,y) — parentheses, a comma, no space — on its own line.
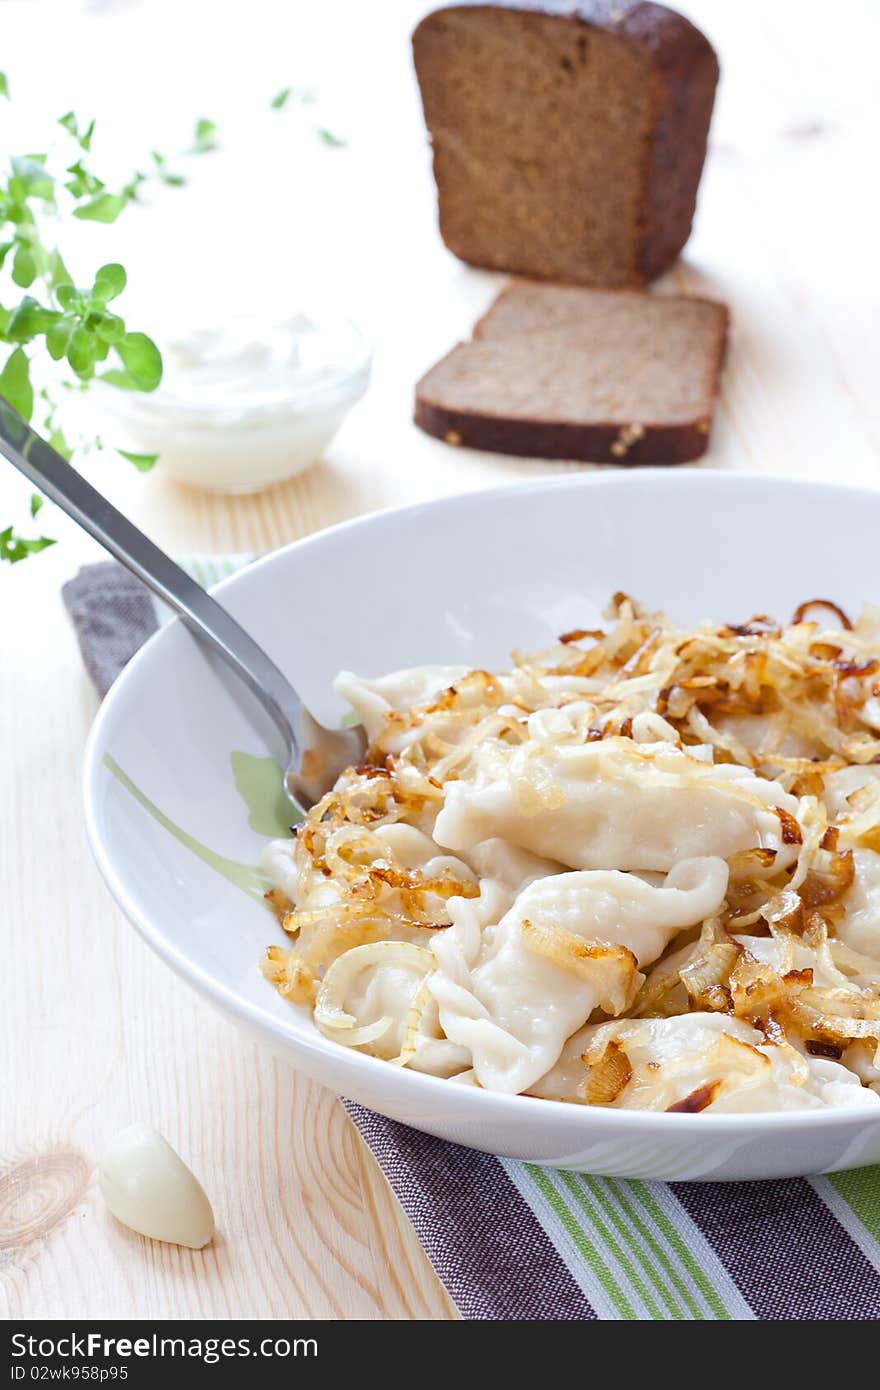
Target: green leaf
(30,320)
(142,360)
(105,208)
(24,266)
(327,137)
(5,248)
(142,462)
(204,137)
(173,180)
(303,96)
(4,85)
(41,258)
(15,383)
(83,183)
(57,271)
(110,281)
(58,338)
(68,296)
(81,352)
(71,125)
(130,191)
(122,380)
(36,503)
(14,548)
(110,328)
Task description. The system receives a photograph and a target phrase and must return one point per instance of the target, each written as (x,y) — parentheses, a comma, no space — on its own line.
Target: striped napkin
(516,1241)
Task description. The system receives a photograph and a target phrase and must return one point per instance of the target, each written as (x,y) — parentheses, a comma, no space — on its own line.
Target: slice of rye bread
(568,137)
(615,377)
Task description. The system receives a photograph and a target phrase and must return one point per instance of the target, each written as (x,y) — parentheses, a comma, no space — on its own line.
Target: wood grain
(94,1031)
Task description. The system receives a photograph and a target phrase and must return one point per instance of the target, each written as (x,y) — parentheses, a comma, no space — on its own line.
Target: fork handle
(201,613)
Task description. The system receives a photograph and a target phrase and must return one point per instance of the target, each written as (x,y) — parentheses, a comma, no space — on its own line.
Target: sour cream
(247,402)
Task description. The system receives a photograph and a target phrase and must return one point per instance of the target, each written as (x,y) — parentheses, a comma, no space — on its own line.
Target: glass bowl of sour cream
(246,403)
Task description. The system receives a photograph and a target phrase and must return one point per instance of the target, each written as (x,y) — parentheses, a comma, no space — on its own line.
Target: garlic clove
(148,1187)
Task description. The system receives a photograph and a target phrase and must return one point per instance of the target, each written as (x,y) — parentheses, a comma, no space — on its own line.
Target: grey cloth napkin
(112,614)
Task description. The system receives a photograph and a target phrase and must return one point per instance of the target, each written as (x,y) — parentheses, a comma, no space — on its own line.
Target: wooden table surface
(95,1031)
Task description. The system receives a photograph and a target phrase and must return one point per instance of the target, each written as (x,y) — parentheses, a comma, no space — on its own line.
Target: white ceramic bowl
(462,579)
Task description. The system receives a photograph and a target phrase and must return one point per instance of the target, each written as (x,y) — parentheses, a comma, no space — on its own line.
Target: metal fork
(315,755)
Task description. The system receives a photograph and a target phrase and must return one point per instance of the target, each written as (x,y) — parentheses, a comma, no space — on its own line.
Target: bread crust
(684,74)
(594,443)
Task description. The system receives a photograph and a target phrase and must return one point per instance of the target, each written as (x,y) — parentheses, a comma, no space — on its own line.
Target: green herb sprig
(55,320)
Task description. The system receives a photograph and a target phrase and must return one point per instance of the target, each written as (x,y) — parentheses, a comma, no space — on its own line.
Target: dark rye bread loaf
(598,376)
(568,138)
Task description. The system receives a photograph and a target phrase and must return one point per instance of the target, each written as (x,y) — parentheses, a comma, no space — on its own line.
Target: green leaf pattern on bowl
(258,781)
